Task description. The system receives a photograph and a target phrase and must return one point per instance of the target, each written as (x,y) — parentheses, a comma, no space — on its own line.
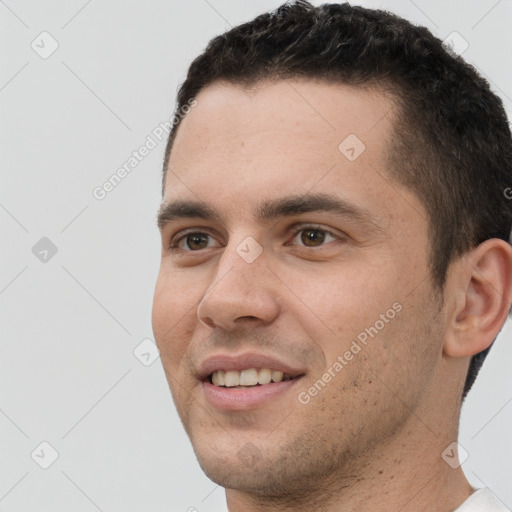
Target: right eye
(194,240)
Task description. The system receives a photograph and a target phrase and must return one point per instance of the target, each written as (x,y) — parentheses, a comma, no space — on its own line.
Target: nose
(242,291)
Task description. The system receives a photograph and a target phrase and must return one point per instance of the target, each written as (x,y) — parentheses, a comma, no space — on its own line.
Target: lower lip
(235,399)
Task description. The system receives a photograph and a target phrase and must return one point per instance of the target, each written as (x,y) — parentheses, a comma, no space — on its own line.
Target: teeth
(249,377)
(265,376)
(218,378)
(231,378)
(277,376)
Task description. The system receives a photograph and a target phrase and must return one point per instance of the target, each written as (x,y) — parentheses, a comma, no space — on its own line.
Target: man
(335,261)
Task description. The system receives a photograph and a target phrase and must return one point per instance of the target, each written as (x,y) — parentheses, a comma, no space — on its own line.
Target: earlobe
(481,292)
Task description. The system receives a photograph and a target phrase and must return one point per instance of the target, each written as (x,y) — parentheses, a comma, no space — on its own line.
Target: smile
(237,382)
(247,378)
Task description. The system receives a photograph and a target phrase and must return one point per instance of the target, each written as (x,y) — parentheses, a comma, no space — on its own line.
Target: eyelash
(175,242)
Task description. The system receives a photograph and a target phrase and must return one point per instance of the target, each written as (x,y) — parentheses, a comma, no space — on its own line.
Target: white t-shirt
(482,500)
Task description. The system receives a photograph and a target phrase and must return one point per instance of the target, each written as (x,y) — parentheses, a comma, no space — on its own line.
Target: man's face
(345,306)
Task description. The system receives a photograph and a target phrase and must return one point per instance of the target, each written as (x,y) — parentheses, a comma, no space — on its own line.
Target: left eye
(313,236)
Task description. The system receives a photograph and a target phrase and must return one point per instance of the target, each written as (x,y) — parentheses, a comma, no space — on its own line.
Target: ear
(479,294)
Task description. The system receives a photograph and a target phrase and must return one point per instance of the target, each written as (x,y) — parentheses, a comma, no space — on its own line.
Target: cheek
(358,322)
(173,319)
(173,315)
(343,301)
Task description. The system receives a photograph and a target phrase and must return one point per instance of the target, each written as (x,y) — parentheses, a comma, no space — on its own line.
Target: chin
(254,471)
(244,468)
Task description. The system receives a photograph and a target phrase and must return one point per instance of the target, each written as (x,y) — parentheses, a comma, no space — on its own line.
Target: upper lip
(245,361)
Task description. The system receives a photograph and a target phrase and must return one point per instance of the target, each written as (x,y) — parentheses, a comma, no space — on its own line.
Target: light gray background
(69,326)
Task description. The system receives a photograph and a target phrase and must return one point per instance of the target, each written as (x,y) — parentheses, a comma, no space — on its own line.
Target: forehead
(241,145)
(294,112)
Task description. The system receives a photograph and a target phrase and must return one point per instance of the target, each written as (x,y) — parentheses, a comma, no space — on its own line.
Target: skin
(372,438)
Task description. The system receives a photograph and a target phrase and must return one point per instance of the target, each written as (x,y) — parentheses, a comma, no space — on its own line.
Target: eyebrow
(272,209)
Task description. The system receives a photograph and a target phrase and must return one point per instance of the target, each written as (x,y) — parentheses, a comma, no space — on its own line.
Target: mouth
(246,381)
(248,378)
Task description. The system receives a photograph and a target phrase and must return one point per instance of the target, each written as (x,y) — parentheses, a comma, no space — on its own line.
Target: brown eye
(192,241)
(312,237)
(196,240)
